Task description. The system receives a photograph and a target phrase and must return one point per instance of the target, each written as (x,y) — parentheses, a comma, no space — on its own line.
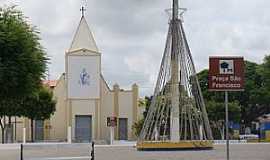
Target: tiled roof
(51,83)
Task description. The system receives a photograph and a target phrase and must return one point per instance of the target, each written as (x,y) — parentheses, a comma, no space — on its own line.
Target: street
(252,151)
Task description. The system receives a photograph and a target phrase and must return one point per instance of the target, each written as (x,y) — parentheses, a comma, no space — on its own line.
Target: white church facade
(84,100)
(88,100)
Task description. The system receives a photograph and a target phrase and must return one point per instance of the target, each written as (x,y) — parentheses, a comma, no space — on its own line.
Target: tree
(39,106)
(22,62)
(264,72)
(254,100)
(216,114)
(256,97)
(146,103)
(137,126)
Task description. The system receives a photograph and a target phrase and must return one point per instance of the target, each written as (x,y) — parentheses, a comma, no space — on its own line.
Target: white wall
(90,66)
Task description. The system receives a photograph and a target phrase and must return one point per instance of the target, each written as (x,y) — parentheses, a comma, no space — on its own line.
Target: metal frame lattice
(177,111)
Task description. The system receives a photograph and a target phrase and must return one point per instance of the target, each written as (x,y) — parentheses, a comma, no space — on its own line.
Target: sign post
(227,126)
(226,74)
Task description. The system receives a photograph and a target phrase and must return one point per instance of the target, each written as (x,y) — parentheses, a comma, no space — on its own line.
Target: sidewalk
(16,146)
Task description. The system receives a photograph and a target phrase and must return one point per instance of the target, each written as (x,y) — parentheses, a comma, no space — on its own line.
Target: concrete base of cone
(181,145)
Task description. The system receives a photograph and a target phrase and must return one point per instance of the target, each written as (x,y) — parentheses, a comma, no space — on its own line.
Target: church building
(84,99)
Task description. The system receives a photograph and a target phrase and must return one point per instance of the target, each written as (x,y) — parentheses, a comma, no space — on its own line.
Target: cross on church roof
(82,10)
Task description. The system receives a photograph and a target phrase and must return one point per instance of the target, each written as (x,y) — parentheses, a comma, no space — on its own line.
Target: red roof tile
(51,83)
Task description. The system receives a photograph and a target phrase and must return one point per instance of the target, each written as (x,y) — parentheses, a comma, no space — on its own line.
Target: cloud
(131,33)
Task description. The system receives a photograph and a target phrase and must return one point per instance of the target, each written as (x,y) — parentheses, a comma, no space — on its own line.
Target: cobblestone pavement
(82,152)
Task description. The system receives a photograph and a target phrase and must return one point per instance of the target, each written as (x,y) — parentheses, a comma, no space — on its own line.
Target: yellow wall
(58,122)
(20,124)
(107,102)
(55,129)
(83,107)
(126,109)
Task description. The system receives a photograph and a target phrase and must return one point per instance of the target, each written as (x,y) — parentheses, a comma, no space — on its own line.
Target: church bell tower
(83,71)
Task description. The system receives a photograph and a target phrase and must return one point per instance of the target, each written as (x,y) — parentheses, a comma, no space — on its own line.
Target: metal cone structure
(177,112)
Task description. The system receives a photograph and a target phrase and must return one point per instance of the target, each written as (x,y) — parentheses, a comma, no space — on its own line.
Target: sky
(131,33)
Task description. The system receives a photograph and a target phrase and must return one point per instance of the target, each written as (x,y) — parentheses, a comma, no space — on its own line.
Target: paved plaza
(82,152)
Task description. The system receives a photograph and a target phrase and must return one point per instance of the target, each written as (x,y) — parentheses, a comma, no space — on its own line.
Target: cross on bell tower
(82,10)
